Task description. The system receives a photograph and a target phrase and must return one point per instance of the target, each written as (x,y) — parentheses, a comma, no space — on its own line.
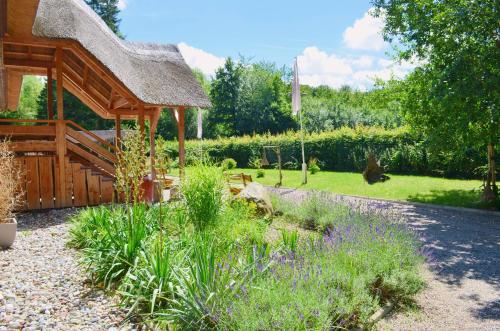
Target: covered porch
(65,164)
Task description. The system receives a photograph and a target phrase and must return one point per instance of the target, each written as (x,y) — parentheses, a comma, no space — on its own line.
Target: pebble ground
(42,287)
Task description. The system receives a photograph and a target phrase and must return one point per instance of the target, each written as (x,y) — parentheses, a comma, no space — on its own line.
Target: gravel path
(463,291)
(41,285)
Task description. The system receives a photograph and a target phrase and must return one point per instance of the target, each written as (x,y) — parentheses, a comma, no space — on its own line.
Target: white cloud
(199,59)
(317,67)
(122,4)
(314,60)
(365,34)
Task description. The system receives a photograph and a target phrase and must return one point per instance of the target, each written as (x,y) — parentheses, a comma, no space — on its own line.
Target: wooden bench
(244,179)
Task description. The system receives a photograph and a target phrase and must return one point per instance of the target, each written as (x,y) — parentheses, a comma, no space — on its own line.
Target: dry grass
(10,192)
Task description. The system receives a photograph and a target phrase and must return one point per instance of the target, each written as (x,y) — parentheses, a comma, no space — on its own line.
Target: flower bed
(172,265)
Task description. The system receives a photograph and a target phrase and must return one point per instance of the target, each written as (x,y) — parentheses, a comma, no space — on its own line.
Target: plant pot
(8,231)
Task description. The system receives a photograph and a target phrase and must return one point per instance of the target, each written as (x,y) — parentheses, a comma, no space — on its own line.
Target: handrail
(68,122)
(16,120)
(93,135)
(82,139)
(105,166)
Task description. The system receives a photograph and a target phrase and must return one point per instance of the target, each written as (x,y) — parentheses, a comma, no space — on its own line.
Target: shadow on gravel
(491,310)
(464,244)
(30,221)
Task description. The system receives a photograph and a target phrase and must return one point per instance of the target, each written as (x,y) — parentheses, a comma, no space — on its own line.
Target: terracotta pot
(8,232)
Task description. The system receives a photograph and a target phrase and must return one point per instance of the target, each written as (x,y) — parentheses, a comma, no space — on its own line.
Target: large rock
(257,193)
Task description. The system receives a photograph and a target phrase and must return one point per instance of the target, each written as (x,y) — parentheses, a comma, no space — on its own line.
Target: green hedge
(345,150)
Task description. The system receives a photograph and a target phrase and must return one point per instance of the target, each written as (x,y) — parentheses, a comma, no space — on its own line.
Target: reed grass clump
(11,194)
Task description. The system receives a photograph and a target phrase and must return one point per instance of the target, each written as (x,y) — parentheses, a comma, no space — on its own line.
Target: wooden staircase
(89,164)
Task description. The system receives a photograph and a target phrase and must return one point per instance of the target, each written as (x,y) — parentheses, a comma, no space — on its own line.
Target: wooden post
(141,121)
(60,134)
(152,146)
(182,151)
(50,95)
(153,124)
(118,132)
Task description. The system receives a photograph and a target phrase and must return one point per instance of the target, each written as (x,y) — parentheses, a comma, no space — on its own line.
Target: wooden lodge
(64,164)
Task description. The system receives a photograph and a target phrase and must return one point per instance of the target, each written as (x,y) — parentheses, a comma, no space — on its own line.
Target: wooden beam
(60,134)
(182,150)
(59,75)
(152,147)
(33,146)
(111,97)
(153,123)
(3,18)
(61,150)
(14,86)
(50,95)
(82,139)
(27,130)
(28,63)
(140,119)
(106,166)
(118,103)
(118,132)
(85,76)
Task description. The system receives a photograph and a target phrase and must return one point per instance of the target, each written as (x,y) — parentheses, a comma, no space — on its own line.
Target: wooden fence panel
(46,175)
(107,190)
(69,183)
(39,180)
(79,186)
(32,183)
(94,188)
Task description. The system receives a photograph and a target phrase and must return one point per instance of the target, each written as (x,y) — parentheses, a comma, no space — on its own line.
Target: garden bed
(208,261)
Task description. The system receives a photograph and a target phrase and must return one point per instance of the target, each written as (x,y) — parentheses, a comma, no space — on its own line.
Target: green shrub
(261,173)
(203,193)
(345,149)
(111,240)
(229,164)
(313,166)
(150,285)
(290,239)
(255,163)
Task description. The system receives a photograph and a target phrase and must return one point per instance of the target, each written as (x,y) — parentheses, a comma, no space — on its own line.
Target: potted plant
(10,194)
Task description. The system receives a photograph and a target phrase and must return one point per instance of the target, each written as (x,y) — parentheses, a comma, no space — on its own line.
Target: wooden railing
(40,136)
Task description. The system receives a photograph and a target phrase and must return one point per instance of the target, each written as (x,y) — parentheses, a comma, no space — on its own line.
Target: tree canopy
(108,10)
(453,96)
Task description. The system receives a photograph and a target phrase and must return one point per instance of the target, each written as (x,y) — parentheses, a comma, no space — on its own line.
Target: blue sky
(337,42)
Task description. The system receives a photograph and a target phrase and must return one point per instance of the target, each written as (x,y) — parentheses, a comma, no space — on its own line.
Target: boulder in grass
(257,193)
(374,173)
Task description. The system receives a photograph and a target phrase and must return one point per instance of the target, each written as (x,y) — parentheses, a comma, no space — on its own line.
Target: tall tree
(224,96)
(454,96)
(263,103)
(108,10)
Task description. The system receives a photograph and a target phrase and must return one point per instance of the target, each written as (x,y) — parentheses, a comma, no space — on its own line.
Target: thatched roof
(156,74)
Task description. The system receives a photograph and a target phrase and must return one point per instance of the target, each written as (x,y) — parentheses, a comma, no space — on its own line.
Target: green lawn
(452,192)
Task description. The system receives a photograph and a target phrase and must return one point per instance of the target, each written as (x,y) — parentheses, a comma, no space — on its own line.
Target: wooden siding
(39,181)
